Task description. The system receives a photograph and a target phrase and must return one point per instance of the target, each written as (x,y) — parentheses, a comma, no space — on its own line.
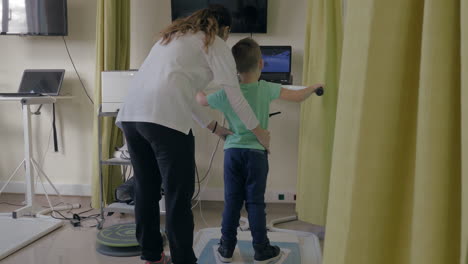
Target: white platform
(120,208)
(18,233)
(114,87)
(296,249)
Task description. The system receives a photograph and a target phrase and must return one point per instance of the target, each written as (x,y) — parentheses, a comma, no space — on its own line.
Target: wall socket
(283,197)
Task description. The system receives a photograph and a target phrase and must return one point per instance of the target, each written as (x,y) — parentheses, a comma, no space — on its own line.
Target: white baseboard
(64,189)
(208,194)
(217,194)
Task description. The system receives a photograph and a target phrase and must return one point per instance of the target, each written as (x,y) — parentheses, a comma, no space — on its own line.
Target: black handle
(275,113)
(319,91)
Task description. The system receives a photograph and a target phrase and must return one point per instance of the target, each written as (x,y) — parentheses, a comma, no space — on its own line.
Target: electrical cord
(59,218)
(198,183)
(86,211)
(207,179)
(38,111)
(12,204)
(55,205)
(76,71)
(211,159)
(77,218)
(210,164)
(201,215)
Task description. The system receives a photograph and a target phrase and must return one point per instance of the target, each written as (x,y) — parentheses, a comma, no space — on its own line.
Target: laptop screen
(41,81)
(277,59)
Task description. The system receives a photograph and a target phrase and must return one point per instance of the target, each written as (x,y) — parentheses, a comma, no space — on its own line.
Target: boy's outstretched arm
(298,95)
(201,99)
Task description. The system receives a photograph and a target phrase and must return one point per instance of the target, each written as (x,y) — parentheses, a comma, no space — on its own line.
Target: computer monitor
(47,82)
(277,59)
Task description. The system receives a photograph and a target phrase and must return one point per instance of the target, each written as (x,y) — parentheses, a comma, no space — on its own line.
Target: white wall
(285,27)
(72,164)
(70,168)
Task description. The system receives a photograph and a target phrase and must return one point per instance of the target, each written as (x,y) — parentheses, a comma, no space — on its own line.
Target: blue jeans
(245,176)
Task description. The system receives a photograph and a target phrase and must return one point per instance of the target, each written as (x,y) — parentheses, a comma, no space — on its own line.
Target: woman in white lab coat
(157,120)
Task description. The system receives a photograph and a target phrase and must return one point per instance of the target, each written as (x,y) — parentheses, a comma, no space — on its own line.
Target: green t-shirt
(259,96)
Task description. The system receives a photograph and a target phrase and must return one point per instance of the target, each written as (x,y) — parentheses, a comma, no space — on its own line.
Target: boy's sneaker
(266,253)
(225,251)
(163,260)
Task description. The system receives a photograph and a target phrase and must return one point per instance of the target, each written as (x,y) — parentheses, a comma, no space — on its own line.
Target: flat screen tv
(33,17)
(276,59)
(248,16)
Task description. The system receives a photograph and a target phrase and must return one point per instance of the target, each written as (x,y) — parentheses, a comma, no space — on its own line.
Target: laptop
(277,64)
(39,83)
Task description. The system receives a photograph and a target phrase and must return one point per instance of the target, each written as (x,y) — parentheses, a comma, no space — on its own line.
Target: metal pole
(27,155)
(101,180)
(5,15)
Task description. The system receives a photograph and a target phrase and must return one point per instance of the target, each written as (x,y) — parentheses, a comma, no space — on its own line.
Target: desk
(32,208)
(36,99)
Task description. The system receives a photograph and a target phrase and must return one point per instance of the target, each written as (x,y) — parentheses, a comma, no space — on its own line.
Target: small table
(32,208)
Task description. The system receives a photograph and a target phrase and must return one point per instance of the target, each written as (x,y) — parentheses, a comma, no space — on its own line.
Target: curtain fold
(464,129)
(322,55)
(112,53)
(398,183)
(435,229)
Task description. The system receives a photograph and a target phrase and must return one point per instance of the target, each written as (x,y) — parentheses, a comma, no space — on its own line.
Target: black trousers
(161,155)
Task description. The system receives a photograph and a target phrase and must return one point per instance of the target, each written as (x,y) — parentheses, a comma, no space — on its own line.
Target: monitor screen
(41,81)
(33,17)
(248,16)
(276,58)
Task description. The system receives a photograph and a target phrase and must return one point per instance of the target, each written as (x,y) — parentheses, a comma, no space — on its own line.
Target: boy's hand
(201,99)
(299,95)
(222,132)
(317,86)
(263,136)
(219,130)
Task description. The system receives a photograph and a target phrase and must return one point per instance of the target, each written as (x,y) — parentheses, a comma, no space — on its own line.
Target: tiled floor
(70,245)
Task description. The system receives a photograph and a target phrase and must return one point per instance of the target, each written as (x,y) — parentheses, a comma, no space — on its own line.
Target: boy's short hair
(247,54)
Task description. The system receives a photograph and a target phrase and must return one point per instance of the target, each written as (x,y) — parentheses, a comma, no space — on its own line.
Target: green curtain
(321,64)
(112,53)
(464,125)
(398,184)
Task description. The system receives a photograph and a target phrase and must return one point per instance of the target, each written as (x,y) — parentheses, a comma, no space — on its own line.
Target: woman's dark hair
(209,20)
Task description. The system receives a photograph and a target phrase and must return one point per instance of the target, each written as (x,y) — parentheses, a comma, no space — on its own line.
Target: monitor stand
(281,79)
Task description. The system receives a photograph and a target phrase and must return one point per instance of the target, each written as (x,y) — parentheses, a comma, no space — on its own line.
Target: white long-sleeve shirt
(163,91)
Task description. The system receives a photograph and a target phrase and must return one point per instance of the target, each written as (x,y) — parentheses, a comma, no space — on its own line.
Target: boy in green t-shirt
(245,159)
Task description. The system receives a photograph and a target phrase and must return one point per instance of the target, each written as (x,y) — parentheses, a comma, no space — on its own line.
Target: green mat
(121,236)
(120,241)
(118,251)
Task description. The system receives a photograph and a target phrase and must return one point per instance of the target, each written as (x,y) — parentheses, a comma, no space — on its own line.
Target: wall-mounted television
(33,17)
(248,16)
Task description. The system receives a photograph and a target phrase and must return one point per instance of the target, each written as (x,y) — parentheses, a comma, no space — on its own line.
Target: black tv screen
(33,17)
(248,16)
